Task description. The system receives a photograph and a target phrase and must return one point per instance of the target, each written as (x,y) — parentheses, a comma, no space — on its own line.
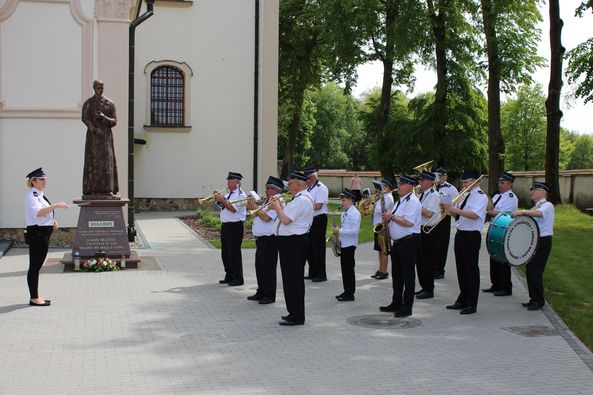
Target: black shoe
(376,274)
(285,317)
(291,323)
(255,296)
(425,295)
(468,310)
(391,308)
(418,292)
(267,301)
(340,295)
(382,276)
(527,304)
(456,306)
(235,283)
(309,277)
(46,303)
(223,281)
(534,306)
(402,313)
(319,279)
(345,298)
(503,293)
(491,289)
(438,276)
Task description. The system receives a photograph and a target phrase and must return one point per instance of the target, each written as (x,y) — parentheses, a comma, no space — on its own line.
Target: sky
(577,116)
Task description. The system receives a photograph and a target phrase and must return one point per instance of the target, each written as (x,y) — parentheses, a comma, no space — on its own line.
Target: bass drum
(512,240)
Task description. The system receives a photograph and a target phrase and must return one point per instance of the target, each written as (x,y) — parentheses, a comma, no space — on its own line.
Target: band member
(504,201)
(385,186)
(543,214)
(470,216)
(404,228)
(442,232)
(293,239)
(232,216)
(316,256)
(266,253)
(348,235)
(430,201)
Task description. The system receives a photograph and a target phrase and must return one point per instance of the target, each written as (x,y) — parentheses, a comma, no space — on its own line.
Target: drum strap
(497,200)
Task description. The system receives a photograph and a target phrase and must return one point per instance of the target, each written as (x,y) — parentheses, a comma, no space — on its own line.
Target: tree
(580,62)
(582,155)
(553,112)
(511,33)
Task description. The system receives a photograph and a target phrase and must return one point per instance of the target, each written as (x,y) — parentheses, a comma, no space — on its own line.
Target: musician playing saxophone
(348,235)
(385,186)
(429,198)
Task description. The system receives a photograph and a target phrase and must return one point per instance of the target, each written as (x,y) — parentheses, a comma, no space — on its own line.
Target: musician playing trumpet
(266,243)
(470,216)
(429,198)
(385,186)
(348,236)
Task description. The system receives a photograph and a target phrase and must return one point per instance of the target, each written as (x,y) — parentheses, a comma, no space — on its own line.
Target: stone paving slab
(178,331)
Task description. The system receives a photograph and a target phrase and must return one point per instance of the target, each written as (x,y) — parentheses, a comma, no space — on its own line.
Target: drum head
(520,240)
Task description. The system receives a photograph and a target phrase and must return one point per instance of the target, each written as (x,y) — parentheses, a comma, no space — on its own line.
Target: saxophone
(382,231)
(334,240)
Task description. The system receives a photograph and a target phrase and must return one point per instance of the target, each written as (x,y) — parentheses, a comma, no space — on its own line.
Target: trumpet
(252,196)
(266,204)
(442,214)
(210,198)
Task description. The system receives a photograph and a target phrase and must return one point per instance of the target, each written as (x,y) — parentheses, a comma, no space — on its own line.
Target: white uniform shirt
(33,203)
(377,213)
(240,214)
(320,194)
(410,209)
(349,228)
(447,192)
(478,203)
(546,221)
(262,228)
(430,200)
(300,211)
(508,202)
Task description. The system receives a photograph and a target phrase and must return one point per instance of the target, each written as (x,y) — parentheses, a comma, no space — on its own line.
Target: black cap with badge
(469,175)
(540,185)
(37,173)
(297,175)
(234,176)
(425,175)
(275,181)
(309,171)
(406,179)
(506,176)
(348,194)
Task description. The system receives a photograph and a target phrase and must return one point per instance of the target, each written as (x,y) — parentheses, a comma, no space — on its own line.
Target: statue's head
(98,87)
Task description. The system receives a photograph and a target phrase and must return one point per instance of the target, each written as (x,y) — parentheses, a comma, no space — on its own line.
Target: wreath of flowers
(98,265)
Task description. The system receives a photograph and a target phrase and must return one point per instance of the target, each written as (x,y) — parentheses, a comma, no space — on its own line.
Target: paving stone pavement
(176,330)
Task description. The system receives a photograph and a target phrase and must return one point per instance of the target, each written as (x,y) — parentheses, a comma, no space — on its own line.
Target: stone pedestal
(102,227)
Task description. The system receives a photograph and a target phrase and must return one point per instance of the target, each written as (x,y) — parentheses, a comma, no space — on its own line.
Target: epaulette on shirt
(481,192)
(510,194)
(317,185)
(35,193)
(445,185)
(408,198)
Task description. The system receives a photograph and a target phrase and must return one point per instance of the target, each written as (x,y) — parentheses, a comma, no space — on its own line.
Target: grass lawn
(568,277)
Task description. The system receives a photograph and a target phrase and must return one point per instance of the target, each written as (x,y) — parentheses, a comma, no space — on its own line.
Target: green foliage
(580,64)
(208,218)
(582,155)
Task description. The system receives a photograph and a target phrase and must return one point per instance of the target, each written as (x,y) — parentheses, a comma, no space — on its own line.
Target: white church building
(205,96)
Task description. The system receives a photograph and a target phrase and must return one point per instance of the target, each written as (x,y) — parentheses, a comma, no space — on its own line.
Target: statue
(99,180)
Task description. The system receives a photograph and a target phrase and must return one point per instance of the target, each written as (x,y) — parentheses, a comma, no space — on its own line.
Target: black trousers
(500,276)
(231,236)
(425,262)
(38,237)
(266,260)
(403,261)
(535,270)
(293,254)
(316,247)
(442,234)
(347,263)
(467,255)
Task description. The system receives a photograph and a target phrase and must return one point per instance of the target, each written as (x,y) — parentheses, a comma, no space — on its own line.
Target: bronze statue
(99,180)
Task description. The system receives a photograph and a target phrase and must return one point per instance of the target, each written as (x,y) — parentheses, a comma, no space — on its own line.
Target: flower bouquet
(98,265)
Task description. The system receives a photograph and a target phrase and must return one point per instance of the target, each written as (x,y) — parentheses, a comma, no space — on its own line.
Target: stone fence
(576,186)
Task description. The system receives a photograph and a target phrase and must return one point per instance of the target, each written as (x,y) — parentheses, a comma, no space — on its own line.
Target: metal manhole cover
(384,322)
(532,331)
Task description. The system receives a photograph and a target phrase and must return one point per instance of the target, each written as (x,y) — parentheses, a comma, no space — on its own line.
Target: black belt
(405,237)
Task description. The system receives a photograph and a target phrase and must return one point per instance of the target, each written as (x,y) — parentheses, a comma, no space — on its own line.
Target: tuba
(382,231)
(366,206)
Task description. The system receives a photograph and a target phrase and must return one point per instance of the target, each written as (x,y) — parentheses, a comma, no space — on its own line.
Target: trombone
(420,168)
(266,204)
(442,214)
(210,198)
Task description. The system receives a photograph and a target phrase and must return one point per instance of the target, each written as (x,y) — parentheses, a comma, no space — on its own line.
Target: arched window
(167,97)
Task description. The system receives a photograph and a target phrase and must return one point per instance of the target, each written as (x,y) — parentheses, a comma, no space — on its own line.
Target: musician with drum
(348,235)
(543,214)
(504,201)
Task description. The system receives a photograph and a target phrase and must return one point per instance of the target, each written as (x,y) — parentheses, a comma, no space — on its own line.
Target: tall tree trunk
(440,99)
(495,140)
(386,164)
(293,132)
(553,113)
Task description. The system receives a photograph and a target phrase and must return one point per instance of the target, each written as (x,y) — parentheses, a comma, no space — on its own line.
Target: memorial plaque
(101,227)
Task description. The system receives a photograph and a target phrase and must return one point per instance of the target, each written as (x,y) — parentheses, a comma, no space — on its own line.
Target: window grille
(167,96)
